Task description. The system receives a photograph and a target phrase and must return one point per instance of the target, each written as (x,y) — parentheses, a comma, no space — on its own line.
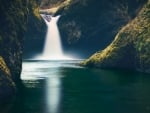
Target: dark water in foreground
(65,87)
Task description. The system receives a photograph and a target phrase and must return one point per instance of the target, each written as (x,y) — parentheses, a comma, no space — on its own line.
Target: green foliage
(34,9)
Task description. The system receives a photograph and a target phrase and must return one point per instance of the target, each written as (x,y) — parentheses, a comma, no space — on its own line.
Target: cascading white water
(52,48)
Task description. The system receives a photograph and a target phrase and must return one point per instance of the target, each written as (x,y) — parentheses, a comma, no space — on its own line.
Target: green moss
(36,30)
(12,26)
(87,22)
(4,67)
(131,46)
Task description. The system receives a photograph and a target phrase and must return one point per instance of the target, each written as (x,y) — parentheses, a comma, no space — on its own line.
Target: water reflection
(53,93)
(48,71)
(65,87)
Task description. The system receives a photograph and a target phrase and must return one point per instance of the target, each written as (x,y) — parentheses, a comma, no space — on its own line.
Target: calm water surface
(65,87)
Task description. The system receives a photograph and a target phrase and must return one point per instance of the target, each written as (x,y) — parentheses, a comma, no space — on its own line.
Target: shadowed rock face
(36,27)
(131,46)
(87,26)
(36,30)
(13,21)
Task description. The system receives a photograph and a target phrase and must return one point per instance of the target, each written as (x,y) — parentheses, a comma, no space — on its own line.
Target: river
(66,87)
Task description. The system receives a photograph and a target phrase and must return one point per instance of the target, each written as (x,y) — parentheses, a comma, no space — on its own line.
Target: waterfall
(52,47)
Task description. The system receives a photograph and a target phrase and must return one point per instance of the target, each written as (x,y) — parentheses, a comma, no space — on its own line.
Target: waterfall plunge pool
(65,87)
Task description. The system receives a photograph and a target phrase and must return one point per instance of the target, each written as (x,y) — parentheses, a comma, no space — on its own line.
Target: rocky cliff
(87,26)
(130,48)
(46,4)
(36,31)
(13,21)
(36,28)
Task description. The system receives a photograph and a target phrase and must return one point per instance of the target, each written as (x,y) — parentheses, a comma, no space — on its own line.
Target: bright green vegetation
(3,66)
(130,48)
(5,77)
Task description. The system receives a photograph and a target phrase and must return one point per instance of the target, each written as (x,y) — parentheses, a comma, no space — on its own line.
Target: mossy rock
(130,48)
(12,27)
